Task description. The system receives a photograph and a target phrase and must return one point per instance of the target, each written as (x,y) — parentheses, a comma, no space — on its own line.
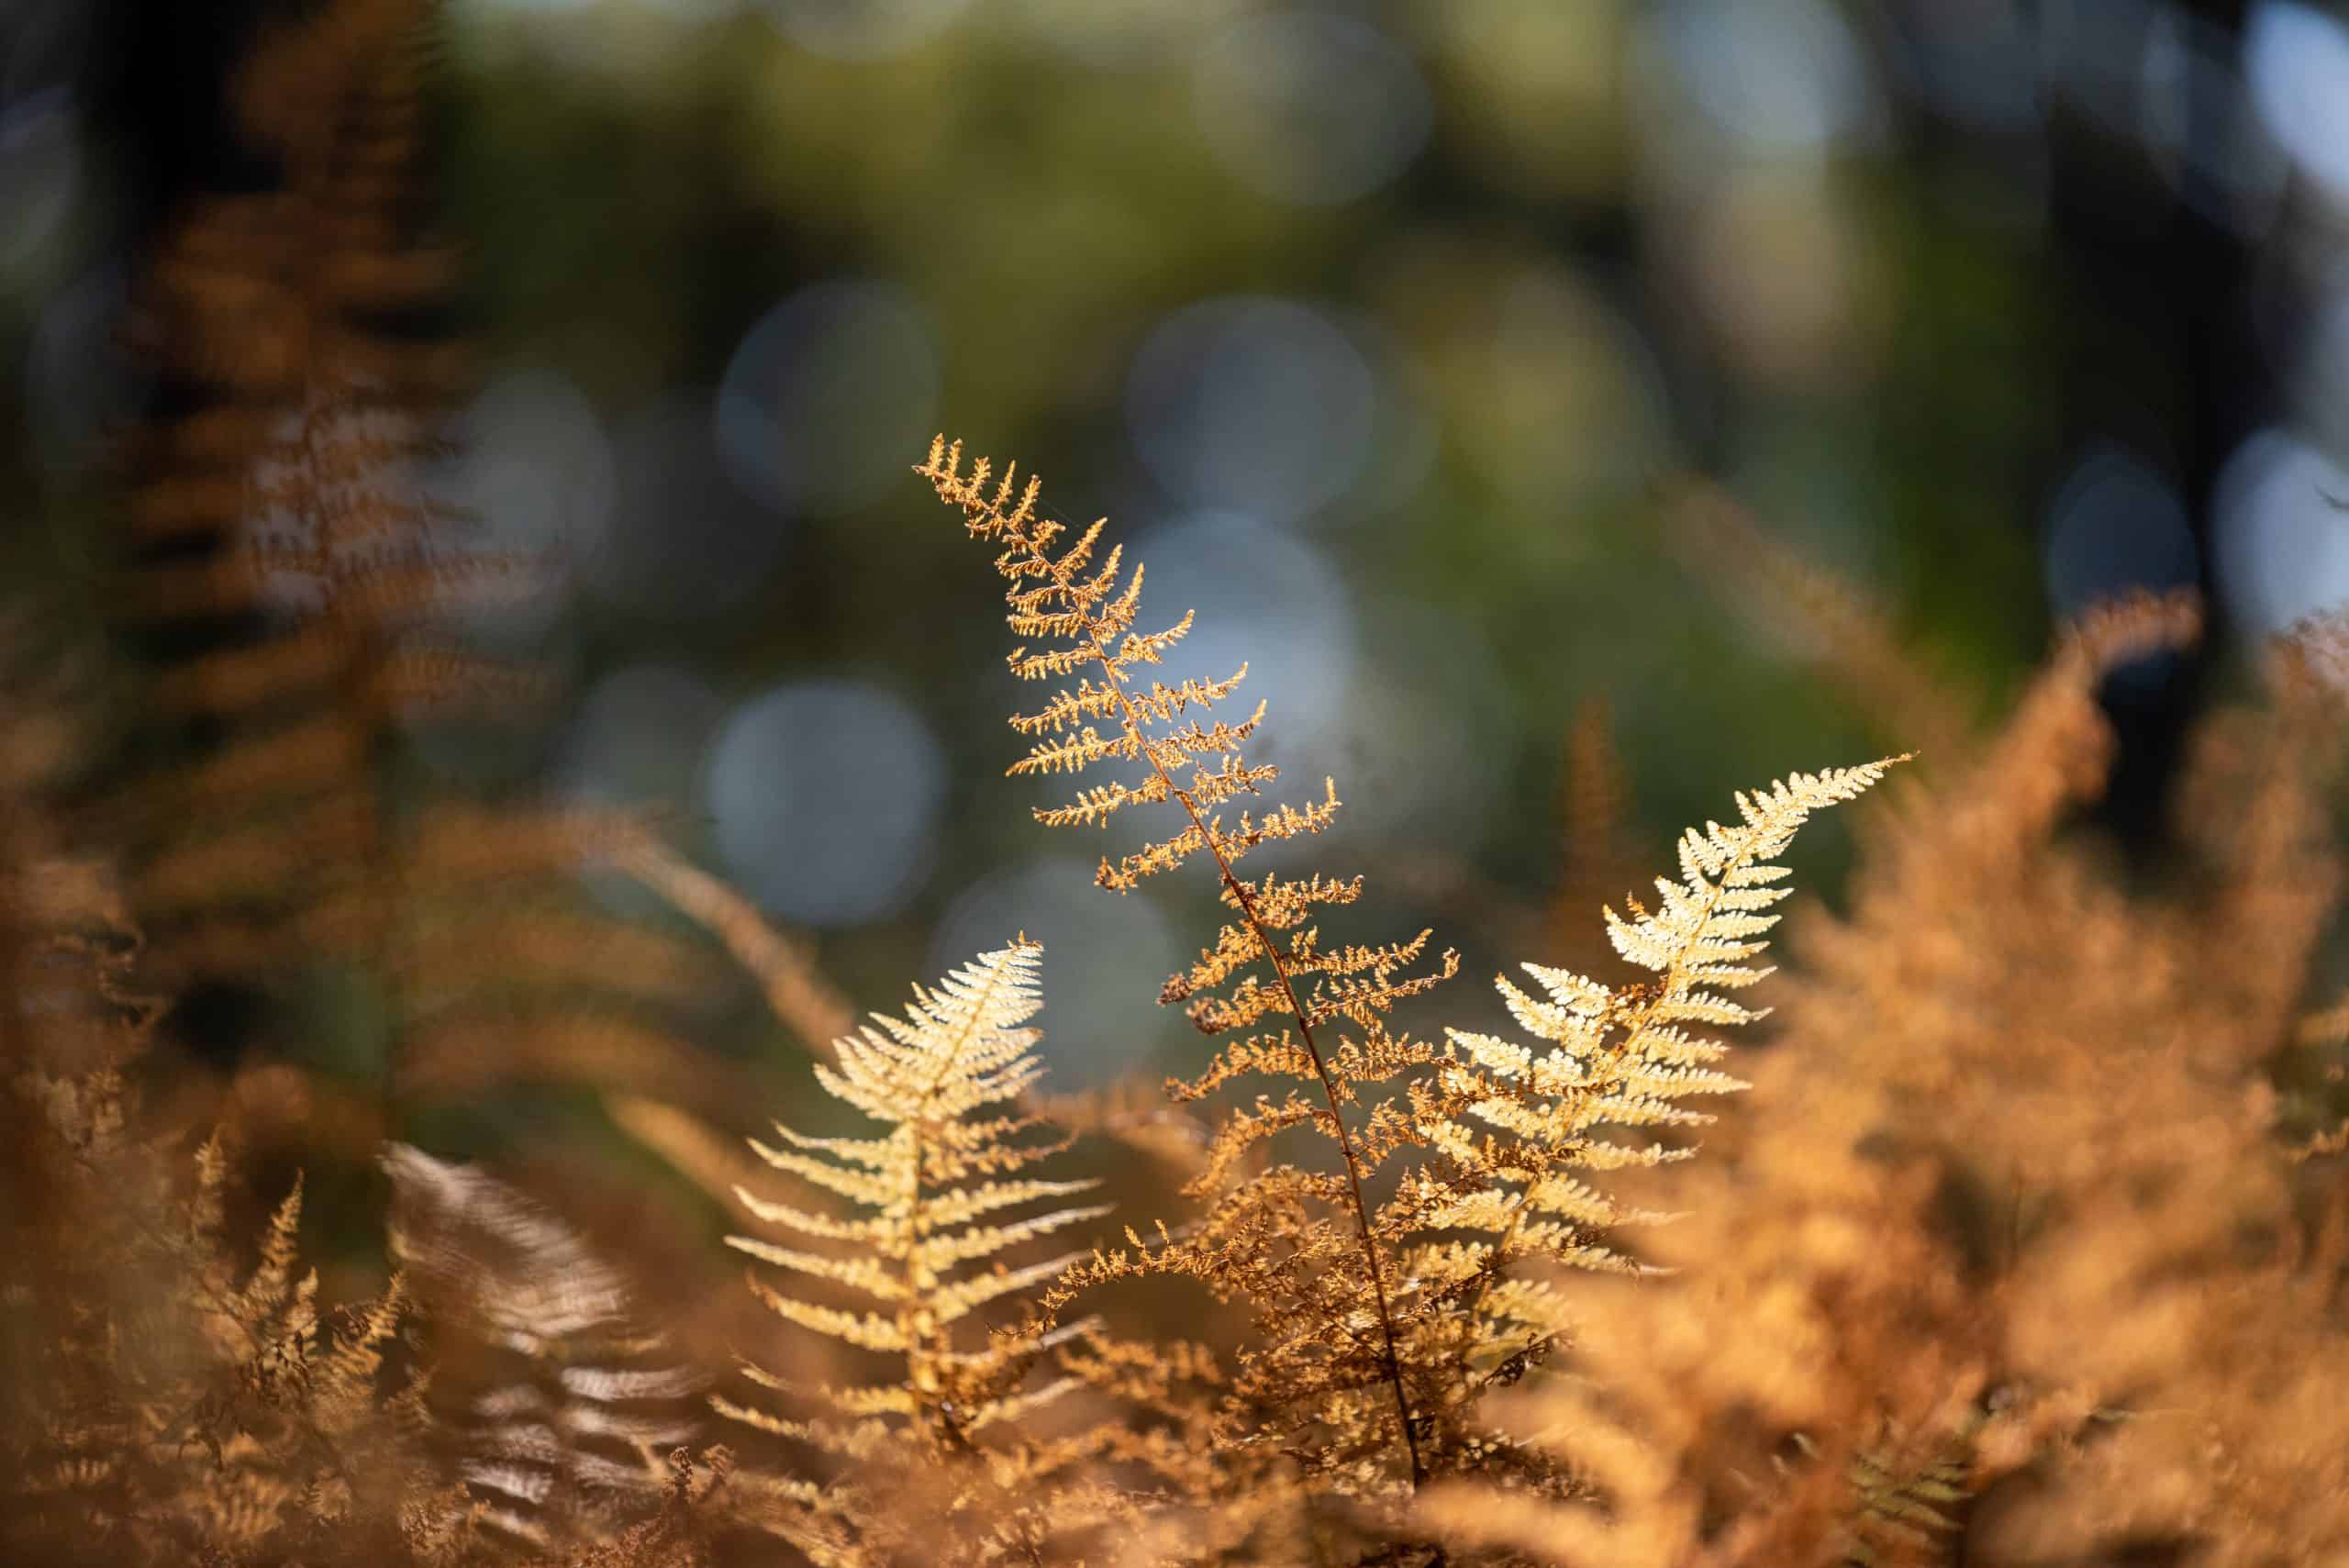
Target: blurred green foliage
(1589,281)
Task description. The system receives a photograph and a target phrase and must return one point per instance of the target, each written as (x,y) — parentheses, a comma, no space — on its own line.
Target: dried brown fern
(1597,860)
(510,972)
(161,1400)
(1401,1304)
(1995,1264)
(289,569)
(164,1404)
(1090,618)
(301,588)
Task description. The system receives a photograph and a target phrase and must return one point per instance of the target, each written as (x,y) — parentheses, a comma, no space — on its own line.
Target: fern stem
(1131,721)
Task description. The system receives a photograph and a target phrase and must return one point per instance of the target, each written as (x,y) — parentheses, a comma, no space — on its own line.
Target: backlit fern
(1250,973)
(2026,1246)
(164,1402)
(1408,1305)
(1508,1129)
(946,1425)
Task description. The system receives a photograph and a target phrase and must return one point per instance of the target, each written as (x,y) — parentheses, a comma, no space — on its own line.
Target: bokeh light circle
(1780,76)
(1269,600)
(534,471)
(2279,549)
(827,393)
(1311,108)
(2296,58)
(2115,525)
(1253,404)
(1104,952)
(637,738)
(824,798)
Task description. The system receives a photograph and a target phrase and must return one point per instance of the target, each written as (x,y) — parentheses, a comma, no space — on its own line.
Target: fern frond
(958,1048)
(939,1459)
(302,594)
(1512,1125)
(1397,1308)
(550,1389)
(1249,974)
(288,567)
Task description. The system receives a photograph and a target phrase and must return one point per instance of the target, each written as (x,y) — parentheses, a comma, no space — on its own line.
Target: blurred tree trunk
(2150,267)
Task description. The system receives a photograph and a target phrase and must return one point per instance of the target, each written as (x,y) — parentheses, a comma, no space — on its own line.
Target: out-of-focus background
(1428,349)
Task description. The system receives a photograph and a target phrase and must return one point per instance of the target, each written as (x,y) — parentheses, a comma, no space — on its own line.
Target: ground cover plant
(2006,1225)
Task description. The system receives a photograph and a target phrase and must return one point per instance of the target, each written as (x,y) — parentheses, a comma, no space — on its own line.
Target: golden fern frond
(1268,960)
(1058,593)
(938,1199)
(1405,1304)
(1621,1057)
(1034,1491)
(926,1186)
